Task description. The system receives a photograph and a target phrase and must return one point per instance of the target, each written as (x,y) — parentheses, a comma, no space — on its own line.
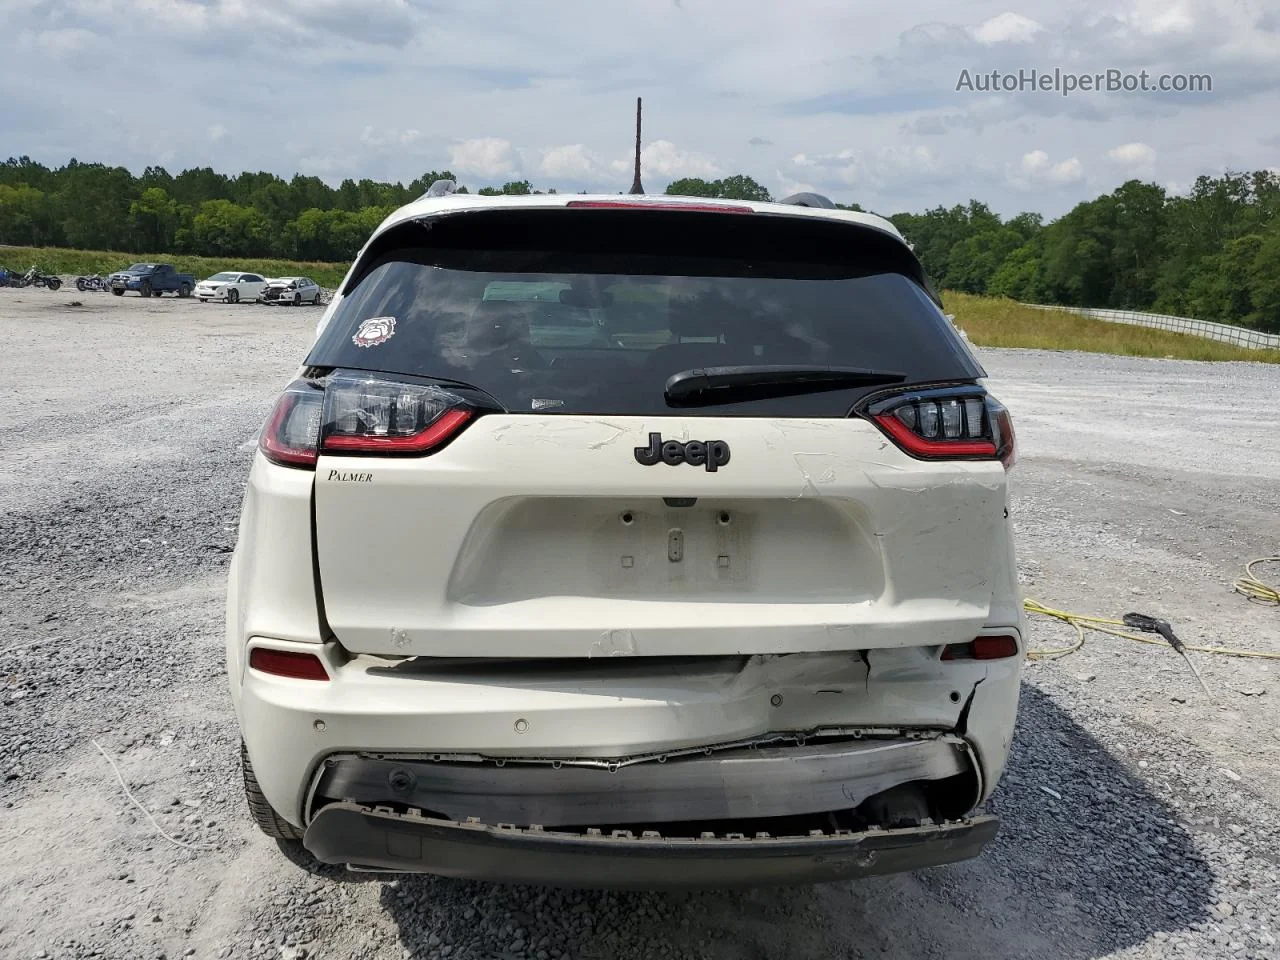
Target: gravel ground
(1140,818)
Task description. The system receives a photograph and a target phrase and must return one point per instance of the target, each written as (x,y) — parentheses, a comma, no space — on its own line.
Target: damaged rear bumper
(776,776)
(379,838)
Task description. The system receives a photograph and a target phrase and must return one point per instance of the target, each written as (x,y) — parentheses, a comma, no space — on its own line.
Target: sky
(855,100)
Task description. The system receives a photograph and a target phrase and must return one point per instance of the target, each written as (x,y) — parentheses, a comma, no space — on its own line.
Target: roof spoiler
(809,200)
(441,188)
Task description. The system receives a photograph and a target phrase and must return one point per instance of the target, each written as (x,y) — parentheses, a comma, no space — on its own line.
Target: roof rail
(808,200)
(441,188)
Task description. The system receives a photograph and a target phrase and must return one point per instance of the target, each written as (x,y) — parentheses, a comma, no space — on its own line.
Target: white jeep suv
(633,542)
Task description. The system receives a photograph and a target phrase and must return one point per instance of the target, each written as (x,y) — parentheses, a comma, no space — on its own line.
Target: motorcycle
(35,278)
(93,284)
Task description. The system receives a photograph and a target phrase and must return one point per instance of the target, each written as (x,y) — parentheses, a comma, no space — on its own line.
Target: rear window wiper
(707,386)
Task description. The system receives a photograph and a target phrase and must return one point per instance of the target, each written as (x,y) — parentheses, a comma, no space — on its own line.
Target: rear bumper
(774,777)
(381,839)
(605,710)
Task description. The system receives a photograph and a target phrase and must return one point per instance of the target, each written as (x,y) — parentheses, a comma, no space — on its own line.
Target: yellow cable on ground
(1255,589)
(1104,625)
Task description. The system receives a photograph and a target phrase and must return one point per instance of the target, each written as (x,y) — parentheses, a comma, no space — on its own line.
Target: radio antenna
(636,185)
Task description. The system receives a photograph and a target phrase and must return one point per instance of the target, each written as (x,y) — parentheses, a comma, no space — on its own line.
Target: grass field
(992,322)
(59,260)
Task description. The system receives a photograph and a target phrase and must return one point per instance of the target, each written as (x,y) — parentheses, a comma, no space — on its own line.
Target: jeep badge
(713,454)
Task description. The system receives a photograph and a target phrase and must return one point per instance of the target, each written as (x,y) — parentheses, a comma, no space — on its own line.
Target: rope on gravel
(1255,589)
(1081,623)
(145,812)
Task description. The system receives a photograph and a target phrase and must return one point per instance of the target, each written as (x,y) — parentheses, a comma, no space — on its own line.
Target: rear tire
(184,291)
(316,301)
(263,814)
(233,296)
(145,290)
(54,283)
(80,285)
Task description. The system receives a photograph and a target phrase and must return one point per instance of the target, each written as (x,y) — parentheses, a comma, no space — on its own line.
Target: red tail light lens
(963,423)
(1002,430)
(291,436)
(982,648)
(360,416)
(288,663)
(388,418)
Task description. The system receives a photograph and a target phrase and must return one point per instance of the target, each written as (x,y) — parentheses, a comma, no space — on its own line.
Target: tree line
(1211,253)
(91,206)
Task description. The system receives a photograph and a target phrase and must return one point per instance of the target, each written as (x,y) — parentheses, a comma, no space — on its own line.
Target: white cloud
(1035,161)
(1134,158)
(373,137)
(662,158)
(379,22)
(788,186)
(553,94)
(1132,153)
(1163,16)
(484,157)
(572,161)
(1036,167)
(1068,171)
(869,168)
(1007,28)
(59,44)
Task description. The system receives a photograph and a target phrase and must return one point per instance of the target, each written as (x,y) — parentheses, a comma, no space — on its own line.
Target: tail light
(292,433)
(360,416)
(959,423)
(982,648)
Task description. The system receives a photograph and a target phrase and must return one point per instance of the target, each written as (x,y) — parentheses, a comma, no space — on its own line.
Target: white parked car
(724,594)
(291,291)
(231,286)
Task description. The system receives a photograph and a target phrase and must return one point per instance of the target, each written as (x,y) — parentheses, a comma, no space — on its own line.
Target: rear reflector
(657,205)
(982,648)
(288,663)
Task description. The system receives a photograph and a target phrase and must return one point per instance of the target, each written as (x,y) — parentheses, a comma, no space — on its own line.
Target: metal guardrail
(1240,336)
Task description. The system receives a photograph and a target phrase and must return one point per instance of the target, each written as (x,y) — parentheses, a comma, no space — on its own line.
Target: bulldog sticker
(374,331)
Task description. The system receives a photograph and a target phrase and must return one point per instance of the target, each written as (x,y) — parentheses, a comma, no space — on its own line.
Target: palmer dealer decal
(350,476)
(374,331)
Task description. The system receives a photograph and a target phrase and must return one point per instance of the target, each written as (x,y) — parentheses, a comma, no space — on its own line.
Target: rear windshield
(598,324)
